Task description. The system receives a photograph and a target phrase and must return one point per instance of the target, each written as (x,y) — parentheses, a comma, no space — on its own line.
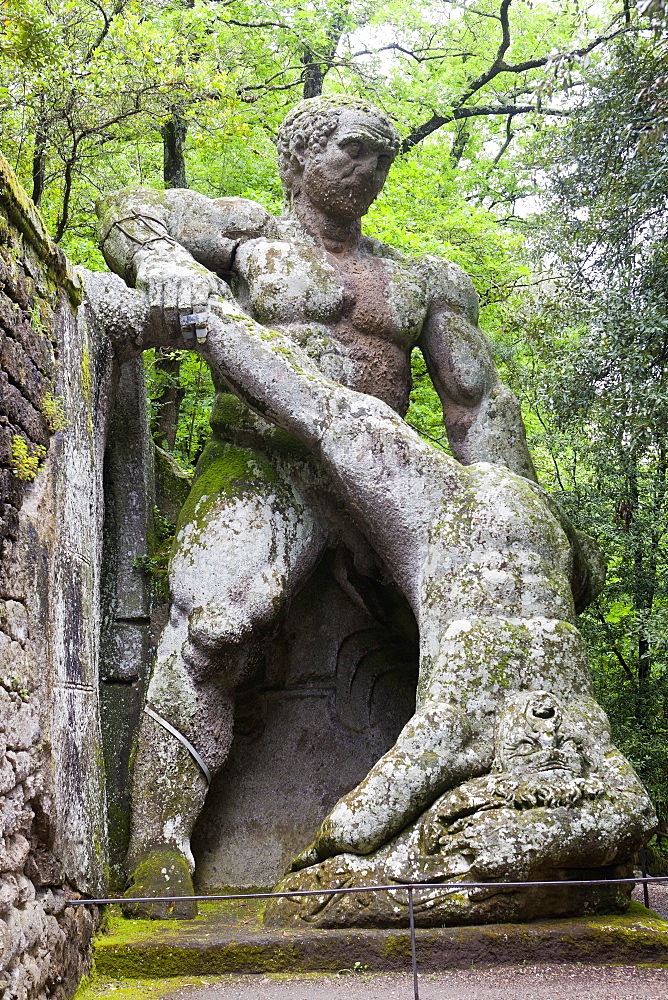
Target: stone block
(23,372)
(5,446)
(22,413)
(126,651)
(120,711)
(14,619)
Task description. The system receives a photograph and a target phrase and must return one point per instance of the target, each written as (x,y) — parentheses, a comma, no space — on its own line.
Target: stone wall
(127,598)
(54,382)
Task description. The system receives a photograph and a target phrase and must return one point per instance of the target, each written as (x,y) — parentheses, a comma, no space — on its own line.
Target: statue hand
(178,288)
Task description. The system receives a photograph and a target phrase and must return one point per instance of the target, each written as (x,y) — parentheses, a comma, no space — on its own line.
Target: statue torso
(357,315)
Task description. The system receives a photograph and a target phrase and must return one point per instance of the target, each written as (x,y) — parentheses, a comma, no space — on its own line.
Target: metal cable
(443,886)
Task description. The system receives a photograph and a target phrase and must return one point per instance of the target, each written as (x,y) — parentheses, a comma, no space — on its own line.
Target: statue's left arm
(481,415)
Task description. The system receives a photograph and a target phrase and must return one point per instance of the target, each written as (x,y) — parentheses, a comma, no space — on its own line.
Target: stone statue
(507,745)
(311,324)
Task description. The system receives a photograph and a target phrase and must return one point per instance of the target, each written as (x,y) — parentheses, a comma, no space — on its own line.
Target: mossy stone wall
(55,379)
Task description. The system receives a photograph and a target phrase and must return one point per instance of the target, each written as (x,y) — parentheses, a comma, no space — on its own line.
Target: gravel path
(658,898)
(559,982)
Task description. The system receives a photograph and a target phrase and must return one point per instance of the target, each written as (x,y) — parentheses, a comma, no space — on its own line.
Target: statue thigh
(247,540)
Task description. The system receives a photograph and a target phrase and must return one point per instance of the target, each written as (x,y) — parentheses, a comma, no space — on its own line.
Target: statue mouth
(553,760)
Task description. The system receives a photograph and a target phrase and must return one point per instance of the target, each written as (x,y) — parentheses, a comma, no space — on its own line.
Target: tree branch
(498,66)
(476,111)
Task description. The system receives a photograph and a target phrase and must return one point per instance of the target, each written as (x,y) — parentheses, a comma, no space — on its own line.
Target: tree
(593,366)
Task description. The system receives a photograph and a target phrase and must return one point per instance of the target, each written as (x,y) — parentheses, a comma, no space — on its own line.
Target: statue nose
(546,740)
(368,166)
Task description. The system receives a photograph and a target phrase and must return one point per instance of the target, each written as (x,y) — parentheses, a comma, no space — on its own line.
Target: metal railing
(410,888)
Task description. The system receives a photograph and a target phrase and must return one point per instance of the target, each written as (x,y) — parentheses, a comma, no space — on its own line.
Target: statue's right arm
(175,245)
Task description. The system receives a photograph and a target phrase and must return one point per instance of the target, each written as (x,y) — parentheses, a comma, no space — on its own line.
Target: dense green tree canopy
(535,154)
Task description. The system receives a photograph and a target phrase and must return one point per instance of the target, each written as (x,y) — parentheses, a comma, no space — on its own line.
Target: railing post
(411,918)
(643,869)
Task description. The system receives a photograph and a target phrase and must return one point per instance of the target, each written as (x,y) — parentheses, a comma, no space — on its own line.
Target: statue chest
(289,283)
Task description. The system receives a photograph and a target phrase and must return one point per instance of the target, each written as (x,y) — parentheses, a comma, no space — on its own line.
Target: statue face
(532,738)
(347,175)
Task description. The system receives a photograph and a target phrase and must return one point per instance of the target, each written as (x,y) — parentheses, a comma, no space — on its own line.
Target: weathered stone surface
(558,804)
(52,840)
(324,322)
(495,615)
(126,645)
(262,512)
(172,486)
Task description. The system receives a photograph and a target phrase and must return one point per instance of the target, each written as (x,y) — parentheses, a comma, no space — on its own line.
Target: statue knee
(217,645)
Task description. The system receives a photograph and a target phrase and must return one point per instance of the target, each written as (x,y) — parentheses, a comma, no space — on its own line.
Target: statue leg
(434,751)
(246,541)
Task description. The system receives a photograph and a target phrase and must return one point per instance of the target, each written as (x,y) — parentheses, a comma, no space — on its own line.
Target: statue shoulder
(379,249)
(448,285)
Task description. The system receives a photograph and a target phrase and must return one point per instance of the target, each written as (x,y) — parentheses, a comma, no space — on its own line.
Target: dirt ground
(558,982)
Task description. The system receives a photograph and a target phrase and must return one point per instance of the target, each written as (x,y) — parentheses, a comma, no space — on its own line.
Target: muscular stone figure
(263,509)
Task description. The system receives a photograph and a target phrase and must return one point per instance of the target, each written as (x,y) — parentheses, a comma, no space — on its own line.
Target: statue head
(533,736)
(335,151)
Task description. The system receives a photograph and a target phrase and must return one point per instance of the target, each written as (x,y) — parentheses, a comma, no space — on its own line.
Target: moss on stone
(138,989)
(26,217)
(227,936)
(224,470)
(164,872)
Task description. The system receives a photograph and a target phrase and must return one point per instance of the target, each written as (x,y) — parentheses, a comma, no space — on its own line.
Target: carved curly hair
(309,125)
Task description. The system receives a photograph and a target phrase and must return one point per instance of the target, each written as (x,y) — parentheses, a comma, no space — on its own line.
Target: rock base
(230,938)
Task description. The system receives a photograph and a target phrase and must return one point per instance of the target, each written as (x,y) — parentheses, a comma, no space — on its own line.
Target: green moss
(397,947)
(227,937)
(86,385)
(118,824)
(224,470)
(230,412)
(23,214)
(232,914)
(164,872)
(172,483)
(139,989)
(85,372)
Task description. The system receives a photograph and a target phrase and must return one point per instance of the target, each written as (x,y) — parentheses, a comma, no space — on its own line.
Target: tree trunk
(168,403)
(313,75)
(173,139)
(460,143)
(643,578)
(38,165)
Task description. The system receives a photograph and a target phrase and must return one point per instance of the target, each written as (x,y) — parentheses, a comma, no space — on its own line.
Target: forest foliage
(534,153)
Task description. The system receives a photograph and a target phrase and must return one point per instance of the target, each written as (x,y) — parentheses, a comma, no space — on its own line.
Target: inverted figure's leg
(246,541)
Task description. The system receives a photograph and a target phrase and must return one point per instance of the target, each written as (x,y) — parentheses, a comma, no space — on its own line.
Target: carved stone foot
(162,873)
(306,859)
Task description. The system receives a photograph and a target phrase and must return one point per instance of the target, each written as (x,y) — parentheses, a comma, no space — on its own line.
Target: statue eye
(354,149)
(384,163)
